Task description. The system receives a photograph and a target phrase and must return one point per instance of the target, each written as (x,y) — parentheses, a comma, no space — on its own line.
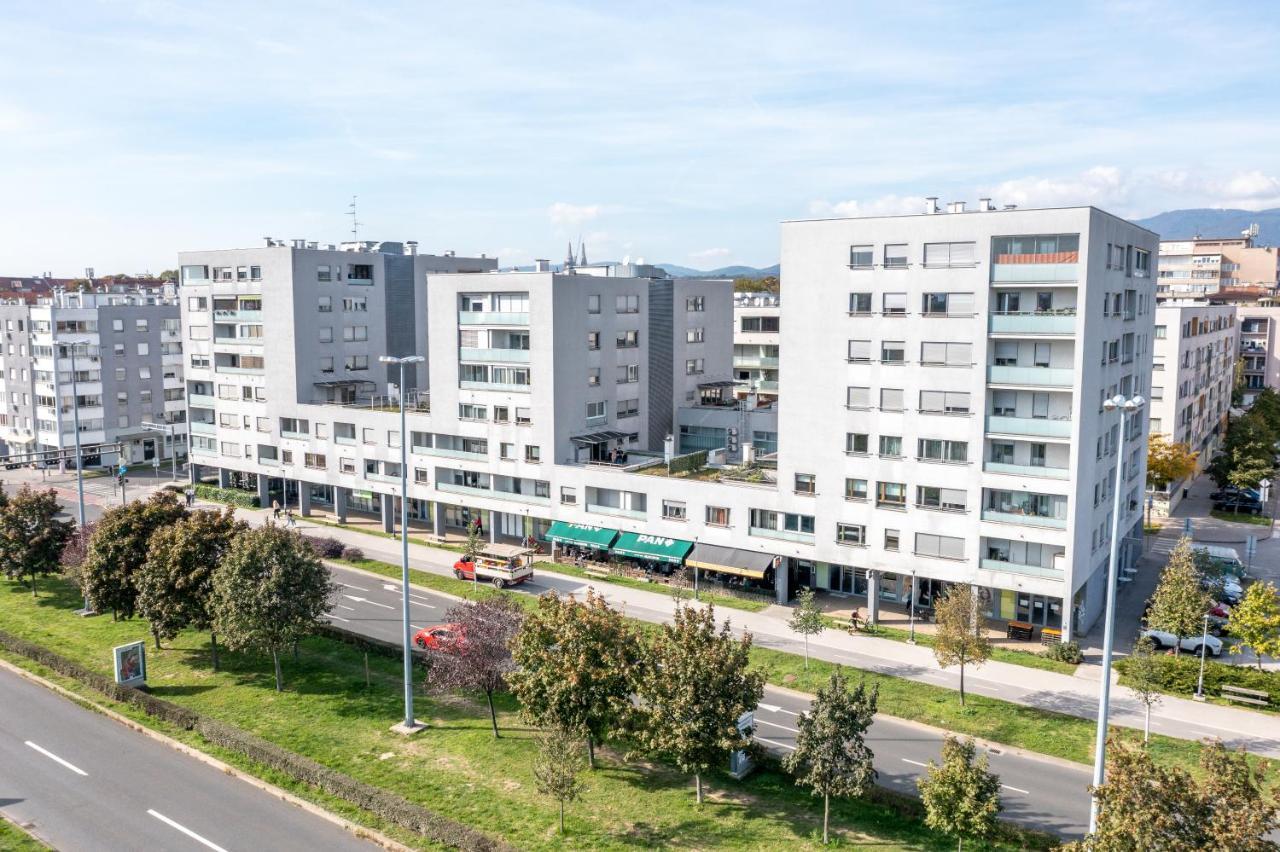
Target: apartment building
(756,335)
(1196,345)
(113,358)
(952,369)
(1204,266)
(1259,355)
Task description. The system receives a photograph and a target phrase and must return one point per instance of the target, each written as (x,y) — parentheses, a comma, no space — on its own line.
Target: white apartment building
(943,396)
(1192,375)
(1203,266)
(756,336)
(116,357)
(1259,347)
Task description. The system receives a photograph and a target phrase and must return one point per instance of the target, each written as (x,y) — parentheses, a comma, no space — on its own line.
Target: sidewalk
(1068,694)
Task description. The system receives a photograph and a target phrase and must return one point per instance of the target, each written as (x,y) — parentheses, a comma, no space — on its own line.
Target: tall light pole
(1204,643)
(1128,408)
(911,608)
(75,416)
(410,724)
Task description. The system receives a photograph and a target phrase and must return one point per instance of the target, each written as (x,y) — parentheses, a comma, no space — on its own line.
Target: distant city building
(1259,347)
(1205,266)
(756,336)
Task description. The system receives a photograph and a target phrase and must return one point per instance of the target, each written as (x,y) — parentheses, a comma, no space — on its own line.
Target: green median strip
(14,839)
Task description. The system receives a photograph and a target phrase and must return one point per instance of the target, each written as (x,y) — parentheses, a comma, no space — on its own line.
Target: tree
(574,664)
(75,551)
(480,657)
(806,619)
(31,536)
(831,757)
(961,796)
(1248,471)
(118,550)
(556,766)
(474,543)
(1179,603)
(176,581)
(1168,461)
(694,685)
(1242,808)
(1143,671)
(270,590)
(1256,621)
(960,639)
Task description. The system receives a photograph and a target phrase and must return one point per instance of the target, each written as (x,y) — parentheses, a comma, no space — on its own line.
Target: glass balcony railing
(1034,323)
(1027,470)
(754,361)
(493,318)
(1036,427)
(489,356)
(1032,376)
(202,427)
(784,535)
(1026,520)
(617,511)
(1018,568)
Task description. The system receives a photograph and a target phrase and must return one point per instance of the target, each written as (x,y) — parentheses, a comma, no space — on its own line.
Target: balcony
(1018,568)
(493,318)
(767,386)
(200,427)
(359,282)
(489,356)
(1056,268)
(1031,376)
(1027,470)
(1024,520)
(454,488)
(237,316)
(233,340)
(755,362)
(494,386)
(782,535)
(1037,323)
(198,399)
(617,511)
(243,371)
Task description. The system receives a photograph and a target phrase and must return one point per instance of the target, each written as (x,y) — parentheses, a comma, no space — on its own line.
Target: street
(81,781)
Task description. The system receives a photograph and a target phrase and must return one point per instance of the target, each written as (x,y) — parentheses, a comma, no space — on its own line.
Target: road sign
(1251,546)
(1186,527)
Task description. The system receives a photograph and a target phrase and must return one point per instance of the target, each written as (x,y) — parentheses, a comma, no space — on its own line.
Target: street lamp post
(410,724)
(1127,408)
(75,417)
(911,608)
(1204,643)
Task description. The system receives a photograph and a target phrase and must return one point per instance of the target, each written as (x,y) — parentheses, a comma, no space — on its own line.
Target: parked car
(439,636)
(1238,503)
(1161,640)
(1226,587)
(1220,610)
(1225,559)
(1232,491)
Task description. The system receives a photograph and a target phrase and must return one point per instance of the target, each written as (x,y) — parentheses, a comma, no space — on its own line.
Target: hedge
(689,462)
(234,496)
(1178,676)
(394,809)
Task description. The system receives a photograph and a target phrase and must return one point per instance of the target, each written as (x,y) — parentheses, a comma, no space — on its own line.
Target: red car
(438,637)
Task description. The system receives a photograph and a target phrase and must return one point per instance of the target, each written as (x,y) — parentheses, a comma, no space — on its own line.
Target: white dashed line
(344,606)
(776,743)
(914,762)
(188,832)
(1016,789)
(340,618)
(349,586)
(76,769)
(776,725)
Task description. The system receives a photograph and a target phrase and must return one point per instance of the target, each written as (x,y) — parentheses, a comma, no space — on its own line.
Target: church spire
(568,259)
(582,252)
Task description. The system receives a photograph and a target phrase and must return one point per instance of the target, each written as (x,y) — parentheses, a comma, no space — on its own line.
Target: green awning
(655,547)
(597,537)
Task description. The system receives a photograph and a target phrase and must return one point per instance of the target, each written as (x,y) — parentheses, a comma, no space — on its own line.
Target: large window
(946,354)
(860,351)
(861,257)
(891,494)
(936,449)
(855,489)
(855,534)
(894,304)
(945,499)
(859,303)
(944,402)
(949,254)
(940,546)
(947,304)
(857,397)
(627,304)
(895,256)
(1037,248)
(760,324)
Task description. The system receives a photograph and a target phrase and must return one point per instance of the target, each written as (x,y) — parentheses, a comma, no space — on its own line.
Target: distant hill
(1206,222)
(677,271)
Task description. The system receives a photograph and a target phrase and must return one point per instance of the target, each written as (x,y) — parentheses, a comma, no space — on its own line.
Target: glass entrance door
(1039,610)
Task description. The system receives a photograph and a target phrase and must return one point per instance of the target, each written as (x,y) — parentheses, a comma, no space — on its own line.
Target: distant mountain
(1206,222)
(677,271)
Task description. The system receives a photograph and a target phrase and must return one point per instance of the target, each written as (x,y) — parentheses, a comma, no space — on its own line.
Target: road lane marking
(914,762)
(344,606)
(76,769)
(776,725)
(349,586)
(775,743)
(1016,789)
(340,618)
(774,708)
(188,832)
(366,600)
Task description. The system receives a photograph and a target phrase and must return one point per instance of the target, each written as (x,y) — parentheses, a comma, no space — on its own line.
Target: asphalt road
(81,781)
(1042,793)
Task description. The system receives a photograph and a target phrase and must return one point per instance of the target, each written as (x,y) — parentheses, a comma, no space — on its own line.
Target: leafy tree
(481,656)
(831,756)
(1242,808)
(556,767)
(1248,471)
(694,685)
(168,275)
(1168,461)
(31,536)
(1256,621)
(75,551)
(574,665)
(961,796)
(1144,679)
(474,543)
(1249,443)
(961,638)
(767,284)
(118,550)
(176,581)
(806,619)
(270,590)
(1178,604)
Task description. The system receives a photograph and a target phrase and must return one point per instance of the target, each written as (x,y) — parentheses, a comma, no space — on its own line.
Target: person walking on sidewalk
(275,509)
(289,518)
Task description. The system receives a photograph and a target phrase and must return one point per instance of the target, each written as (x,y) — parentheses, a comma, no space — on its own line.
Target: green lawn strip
(14,839)
(455,768)
(1256,520)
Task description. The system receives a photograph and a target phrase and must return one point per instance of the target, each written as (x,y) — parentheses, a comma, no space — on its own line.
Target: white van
(1225,558)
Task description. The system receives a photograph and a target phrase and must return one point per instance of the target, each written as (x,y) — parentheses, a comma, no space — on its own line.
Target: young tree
(556,767)
(961,638)
(480,658)
(694,685)
(31,536)
(270,590)
(176,581)
(475,541)
(574,664)
(1179,603)
(831,757)
(1256,621)
(806,619)
(1242,810)
(961,797)
(118,550)
(1143,671)
(75,551)
(1168,461)
(1247,471)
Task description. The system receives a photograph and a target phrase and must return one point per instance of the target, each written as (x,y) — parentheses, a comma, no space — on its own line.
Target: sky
(669,132)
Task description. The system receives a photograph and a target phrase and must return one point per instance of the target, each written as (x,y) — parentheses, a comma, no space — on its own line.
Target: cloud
(1101,185)
(710,254)
(1141,193)
(564,214)
(887,205)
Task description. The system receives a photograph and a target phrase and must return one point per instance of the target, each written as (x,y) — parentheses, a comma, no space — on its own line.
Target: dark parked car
(1232,491)
(1238,504)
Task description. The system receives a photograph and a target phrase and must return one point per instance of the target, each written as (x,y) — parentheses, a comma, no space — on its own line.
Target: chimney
(411,247)
(668,448)
(931,205)
(270,242)
(542,265)
(299,244)
(959,206)
(985,205)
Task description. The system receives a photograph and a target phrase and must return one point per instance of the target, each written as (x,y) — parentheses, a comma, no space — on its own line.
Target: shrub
(689,462)
(1064,652)
(326,548)
(232,496)
(1179,674)
(353,554)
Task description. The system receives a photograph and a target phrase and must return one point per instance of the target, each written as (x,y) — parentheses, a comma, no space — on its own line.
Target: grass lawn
(14,839)
(456,767)
(1242,518)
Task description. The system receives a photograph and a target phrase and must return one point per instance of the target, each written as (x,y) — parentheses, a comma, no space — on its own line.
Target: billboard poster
(131,663)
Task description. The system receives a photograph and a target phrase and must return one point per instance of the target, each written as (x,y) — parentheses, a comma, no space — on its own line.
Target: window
(468,411)
(673,510)
(1141,263)
(855,489)
(760,324)
(891,446)
(324,272)
(717,516)
(355,304)
(194,303)
(857,397)
(117,325)
(949,254)
(255,273)
(895,256)
(195,273)
(946,354)
(628,408)
(627,304)
(532,453)
(597,411)
(806,483)
(356,362)
(326,364)
(891,494)
(420,475)
(121,374)
(893,304)
(944,402)
(1163,331)
(360,272)
(935,449)
(501,414)
(694,335)
(144,348)
(195,332)
(693,367)
(316,461)
(141,325)
(593,377)
(628,373)
(947,304)
(326,334)
(891,399)
(893,352)
(355,333)
(695,304)
(628,339)
(593,303)
(523,417)
(568,496)
(946,499)
(593,340)
(860,351)
(1006,353)
(764,519)
(855,534)
(325,305)
(861,257)
(940,546)
(369,435)
(506,451)
(891,539)
(856,443)
(859,303)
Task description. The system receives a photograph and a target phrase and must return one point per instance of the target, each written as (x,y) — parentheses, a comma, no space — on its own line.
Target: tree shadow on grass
(178,691)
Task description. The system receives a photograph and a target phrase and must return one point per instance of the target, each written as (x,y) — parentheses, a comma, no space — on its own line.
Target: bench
(1050,636)
(1020,630)
(1241,695)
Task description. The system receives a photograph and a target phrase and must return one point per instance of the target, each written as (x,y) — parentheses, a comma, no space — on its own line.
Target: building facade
(1259,357)
(1207,265)
(756,337)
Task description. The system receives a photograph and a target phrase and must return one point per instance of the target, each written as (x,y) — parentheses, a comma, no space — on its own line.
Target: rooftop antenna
(355,223)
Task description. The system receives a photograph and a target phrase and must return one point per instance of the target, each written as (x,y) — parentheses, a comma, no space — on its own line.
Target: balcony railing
(1039,322)
(493,318)
(494,386)
(754,361)
(1018,568)
(1026,520)
(783,535)
(501,356)
(454,488)
(237,316)
(1036,268)
(1031,376)
(202,427)
(200,399)
(1027,470)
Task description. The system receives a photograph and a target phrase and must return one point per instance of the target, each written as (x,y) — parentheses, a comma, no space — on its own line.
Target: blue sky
(676,132)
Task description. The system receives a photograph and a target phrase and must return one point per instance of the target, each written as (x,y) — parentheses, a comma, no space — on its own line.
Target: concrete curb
(312,808)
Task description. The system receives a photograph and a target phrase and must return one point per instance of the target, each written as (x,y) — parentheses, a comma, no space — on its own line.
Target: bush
(232,496)
(1178,676)
(1064,652)
(326,548)
(689,462)
(353,554)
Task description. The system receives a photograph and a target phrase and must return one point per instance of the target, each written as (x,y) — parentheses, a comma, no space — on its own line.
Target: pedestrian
(191,497)
(275,509)
(479,526)
(289,517)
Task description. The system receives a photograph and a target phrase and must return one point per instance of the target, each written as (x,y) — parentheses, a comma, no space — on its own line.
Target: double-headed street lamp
(1128,408)
(410,724)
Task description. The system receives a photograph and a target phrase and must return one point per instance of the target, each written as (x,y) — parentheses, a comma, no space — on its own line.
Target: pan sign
(655,540)
(131,664)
